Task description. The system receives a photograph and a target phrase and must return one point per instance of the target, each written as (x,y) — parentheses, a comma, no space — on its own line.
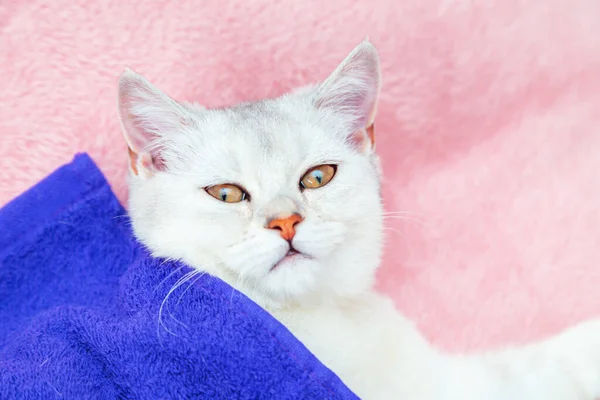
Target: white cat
(281,199)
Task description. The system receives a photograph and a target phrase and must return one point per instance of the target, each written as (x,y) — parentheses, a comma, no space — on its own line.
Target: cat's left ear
(353,90)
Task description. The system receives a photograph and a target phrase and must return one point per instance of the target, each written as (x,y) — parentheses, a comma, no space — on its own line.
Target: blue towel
(80,312)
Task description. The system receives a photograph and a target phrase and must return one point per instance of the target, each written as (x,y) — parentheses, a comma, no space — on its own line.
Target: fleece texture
(488,125)
(81,315)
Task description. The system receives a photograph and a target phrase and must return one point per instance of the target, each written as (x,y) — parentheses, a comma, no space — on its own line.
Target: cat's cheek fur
(178,220)
(343,229)
(318,238)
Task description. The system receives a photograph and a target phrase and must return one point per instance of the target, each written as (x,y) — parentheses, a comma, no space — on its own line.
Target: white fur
(325,298)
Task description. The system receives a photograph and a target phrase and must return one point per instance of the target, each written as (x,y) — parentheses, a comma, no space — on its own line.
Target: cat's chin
(291,281)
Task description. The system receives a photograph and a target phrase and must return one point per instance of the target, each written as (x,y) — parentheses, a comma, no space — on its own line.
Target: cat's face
(280,197)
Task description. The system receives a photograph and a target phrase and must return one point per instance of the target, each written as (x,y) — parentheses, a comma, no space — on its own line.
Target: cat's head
(279,197)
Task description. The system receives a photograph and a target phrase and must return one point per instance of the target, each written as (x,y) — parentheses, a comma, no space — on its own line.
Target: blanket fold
(85,312)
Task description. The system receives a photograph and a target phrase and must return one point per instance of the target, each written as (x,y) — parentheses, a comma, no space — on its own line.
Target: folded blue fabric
(80,312)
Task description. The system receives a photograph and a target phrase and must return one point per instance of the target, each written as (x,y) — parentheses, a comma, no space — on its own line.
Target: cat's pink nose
(286,225)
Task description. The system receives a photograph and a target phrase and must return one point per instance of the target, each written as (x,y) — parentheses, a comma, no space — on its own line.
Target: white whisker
(403,218)
(168,276)
(186,277)
(196,279)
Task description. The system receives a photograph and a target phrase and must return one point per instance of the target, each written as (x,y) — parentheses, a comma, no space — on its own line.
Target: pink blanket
(489,127)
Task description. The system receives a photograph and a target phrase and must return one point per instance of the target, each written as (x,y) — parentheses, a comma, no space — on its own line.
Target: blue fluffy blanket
(83,316)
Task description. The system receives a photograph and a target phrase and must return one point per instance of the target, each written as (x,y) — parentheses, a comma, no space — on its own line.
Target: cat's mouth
(291,254)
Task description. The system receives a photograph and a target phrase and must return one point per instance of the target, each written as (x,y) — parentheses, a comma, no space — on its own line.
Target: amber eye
(227,193)
(318,176)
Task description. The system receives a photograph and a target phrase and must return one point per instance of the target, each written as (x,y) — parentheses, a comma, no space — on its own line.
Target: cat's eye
(318,176)
(227,192)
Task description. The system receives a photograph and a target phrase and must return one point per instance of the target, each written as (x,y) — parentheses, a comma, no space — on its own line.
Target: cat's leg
(563,367)
(379,354)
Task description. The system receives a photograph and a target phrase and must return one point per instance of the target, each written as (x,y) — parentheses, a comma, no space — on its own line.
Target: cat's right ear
(147,115)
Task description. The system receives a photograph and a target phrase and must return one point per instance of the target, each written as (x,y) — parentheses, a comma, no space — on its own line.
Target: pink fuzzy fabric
(489,127)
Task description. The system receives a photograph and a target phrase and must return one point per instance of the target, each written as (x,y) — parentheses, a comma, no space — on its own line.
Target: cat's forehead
(265,139)
(263,126)
(271,130)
